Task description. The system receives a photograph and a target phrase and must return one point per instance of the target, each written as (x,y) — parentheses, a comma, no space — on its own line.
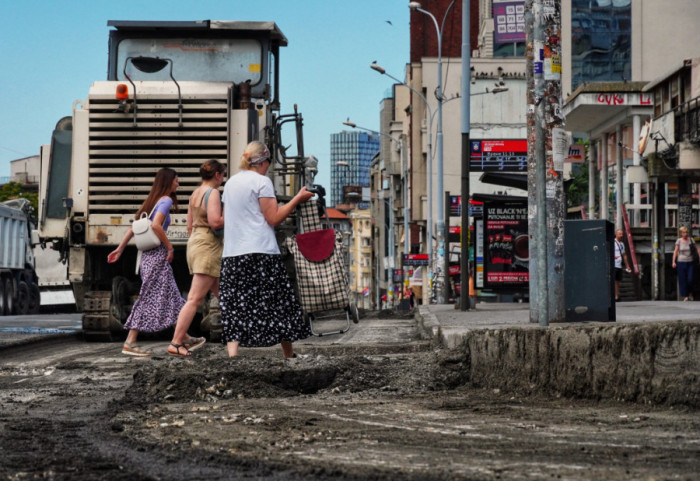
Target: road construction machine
(176,95)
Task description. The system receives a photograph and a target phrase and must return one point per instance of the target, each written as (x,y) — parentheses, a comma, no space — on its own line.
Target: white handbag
(144,237)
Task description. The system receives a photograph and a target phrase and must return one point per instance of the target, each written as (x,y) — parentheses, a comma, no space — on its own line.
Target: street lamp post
(429,175)
(402,151)
(443,294)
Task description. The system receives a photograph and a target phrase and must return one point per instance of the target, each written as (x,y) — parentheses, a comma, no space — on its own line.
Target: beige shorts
(204,252)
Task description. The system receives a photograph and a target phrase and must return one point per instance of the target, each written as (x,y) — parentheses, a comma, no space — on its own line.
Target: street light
(402,153)
(438,95)
(429,175)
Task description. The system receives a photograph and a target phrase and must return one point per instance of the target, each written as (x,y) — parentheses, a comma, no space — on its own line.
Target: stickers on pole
(560,147)
(538,57)
(552,64)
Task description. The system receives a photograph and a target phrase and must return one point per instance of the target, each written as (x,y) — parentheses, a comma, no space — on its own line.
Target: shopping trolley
(320,268)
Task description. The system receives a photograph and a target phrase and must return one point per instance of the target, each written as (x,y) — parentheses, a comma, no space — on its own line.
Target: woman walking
(204,215)
(159,301)
(258,304)
(683,261)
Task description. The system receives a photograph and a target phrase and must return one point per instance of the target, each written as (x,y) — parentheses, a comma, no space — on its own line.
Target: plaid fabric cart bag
(320,268)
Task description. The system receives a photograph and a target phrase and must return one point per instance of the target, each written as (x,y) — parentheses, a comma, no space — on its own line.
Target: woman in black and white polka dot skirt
(258,304)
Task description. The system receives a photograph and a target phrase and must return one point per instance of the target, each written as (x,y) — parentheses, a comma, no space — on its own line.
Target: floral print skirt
(258,304)
(159,301)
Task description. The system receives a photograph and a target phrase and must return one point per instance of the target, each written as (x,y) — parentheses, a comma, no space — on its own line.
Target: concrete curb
(653,362)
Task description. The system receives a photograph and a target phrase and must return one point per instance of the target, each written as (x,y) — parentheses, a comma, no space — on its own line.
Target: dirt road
(80,411)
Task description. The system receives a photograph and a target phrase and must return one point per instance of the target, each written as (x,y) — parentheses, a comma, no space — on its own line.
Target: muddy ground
(80,411)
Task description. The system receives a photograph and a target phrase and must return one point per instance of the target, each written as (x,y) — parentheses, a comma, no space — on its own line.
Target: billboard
(506,244)
(509,21)
(498,155)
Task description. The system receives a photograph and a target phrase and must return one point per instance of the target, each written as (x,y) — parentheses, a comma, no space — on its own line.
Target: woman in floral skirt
(258,304)
(159,301)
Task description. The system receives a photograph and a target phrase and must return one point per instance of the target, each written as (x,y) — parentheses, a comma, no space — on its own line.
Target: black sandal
(178,354)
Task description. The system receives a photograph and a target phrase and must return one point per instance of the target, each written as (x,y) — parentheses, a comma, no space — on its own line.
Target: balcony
(687,121)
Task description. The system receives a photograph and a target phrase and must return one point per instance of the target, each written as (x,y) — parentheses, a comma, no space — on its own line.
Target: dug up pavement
(649,354)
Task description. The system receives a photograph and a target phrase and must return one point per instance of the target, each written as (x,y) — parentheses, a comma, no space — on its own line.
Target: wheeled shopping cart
(320,269)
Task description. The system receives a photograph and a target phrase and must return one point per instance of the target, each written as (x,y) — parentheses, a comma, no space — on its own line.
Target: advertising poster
(509,21)
(506,244)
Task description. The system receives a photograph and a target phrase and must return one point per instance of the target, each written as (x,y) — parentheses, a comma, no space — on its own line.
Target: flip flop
(134,350)
(178,353)
(193,343)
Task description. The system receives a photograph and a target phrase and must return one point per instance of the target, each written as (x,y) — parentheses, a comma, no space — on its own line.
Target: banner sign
(498,155)
(576,154)
(415,259)
(475,207)
(509,21)
(506,244)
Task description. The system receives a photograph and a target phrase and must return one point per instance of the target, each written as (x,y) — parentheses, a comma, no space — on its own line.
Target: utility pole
(466,160)
(546,205)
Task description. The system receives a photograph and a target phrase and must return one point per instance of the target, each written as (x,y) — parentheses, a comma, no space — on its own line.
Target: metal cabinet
(589,278)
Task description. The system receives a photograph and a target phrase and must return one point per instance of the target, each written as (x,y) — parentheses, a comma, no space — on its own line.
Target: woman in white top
(683,261)
(258,304)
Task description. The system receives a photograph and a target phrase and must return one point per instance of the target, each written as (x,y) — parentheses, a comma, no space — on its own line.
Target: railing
(687,121)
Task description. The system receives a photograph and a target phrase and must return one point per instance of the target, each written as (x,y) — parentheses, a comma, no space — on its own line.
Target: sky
(52,50)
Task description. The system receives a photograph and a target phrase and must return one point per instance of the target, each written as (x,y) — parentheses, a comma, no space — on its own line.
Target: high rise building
(351,156)
(601,39)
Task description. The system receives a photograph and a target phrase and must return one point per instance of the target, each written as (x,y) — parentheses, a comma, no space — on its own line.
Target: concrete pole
(637,192)
(619,185)
(466,160)
(392,255)
(406,208)
(604,190)
(546,206)
(439,258)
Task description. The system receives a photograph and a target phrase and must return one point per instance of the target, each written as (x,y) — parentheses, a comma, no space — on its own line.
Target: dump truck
(19,285)
(176,95)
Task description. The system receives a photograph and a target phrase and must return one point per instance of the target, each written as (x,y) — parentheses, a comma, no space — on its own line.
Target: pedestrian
(159,301)
(258,305)
(683,261)
(620,256)
(204,247)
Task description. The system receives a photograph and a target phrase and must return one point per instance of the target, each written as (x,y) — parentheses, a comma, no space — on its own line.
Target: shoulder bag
(144,237)
(217,232)
(694,252)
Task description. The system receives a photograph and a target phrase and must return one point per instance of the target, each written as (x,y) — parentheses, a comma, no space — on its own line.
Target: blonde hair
(683,229)
(252,154)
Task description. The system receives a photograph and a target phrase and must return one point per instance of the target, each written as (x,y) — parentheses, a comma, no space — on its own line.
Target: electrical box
(589,276)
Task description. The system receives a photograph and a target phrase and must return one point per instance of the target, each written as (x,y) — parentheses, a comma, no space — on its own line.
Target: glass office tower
(351,157)
(601,37)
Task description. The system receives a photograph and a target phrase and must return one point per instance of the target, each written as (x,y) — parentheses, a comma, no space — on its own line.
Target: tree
(15,190)
(577,193)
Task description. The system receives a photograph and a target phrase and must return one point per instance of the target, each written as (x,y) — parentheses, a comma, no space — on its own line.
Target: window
(210,59)
(516,49)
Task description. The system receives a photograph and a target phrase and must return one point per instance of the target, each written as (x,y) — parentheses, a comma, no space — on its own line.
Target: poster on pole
(506,244)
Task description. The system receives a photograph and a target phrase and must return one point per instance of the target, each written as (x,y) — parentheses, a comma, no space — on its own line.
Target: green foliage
(578,188)
(15,190)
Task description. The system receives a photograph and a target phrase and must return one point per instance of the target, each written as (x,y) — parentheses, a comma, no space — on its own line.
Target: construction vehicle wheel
(9,297)
(34,298)
(2,297)
(22,299)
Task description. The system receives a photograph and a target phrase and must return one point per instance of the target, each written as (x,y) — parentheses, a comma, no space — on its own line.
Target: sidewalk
(451,324)
(651,354)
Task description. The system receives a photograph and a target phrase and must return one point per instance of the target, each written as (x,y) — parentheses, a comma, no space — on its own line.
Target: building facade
(351,156)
